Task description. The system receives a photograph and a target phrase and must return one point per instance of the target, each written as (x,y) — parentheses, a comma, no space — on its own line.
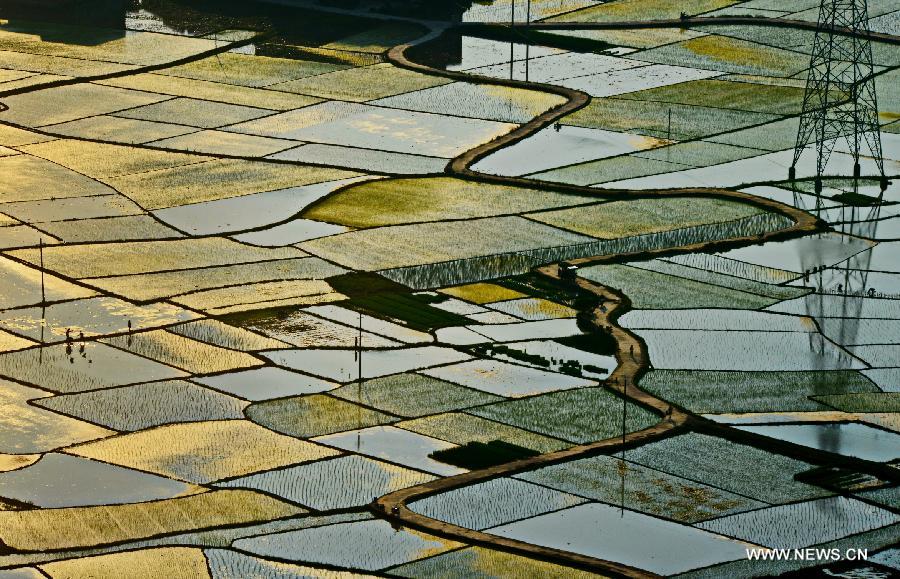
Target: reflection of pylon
(840,100)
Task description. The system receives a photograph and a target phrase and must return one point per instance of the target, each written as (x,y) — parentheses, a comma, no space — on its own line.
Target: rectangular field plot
(411,395)
(730,55)
(82,261)
(246,70)
(290,233)
(220,179)
(134,227)
(241,298)
(90,317)
(462,429)
(73,208)
(503,10)
(737,350)
(550,148)
(118,129)
(605,532)
(26,428)
(795,254)
(367,323)
(740,96)
(863,332)
(724,465)
(255,210)
(213,91)
(692,266)
(172,283)
(265,383)
(689,121)
(365,159)
(506,379)
(85,483)
(96,44)
(651,290)
(640,216)
(471,561)
(534,309)
(840,307)
(190,355)
(223,335)
(40,179)
(157,403)
(482,293)
(103,161)
(584,415)
(195,113)
(803,524)
(341,365)
(369,127)
(388,247)
(22,236)
(344,482)
(66,103)
(369,545)
(394,445)
(495,502)
(314,415)
(68,369)
(642,9)
(193,452)
(21,286)
(306,331)
(360,84)
(44,68)
(494,103)
(43,529)
(549,66)
(619,82)
(398,201)
(857,440)
(646,490)
(716,320)
(711,392)
(223,143)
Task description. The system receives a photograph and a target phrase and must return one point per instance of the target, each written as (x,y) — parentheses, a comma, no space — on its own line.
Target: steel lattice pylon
(840,100)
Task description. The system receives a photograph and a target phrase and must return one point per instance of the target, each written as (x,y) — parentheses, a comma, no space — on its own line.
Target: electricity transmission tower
(840,100)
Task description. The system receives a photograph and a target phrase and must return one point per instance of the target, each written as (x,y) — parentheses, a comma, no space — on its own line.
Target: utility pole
(41,250)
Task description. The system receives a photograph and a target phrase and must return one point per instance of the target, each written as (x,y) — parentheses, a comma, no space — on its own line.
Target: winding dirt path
(631,352)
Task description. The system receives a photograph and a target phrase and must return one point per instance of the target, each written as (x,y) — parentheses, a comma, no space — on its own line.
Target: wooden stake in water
(359,386)
(624,417)
(43,293)
(669,129)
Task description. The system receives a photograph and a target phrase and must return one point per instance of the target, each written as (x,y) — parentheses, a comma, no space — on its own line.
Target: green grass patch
(716,392)
(863,401)
(399,201)
(744,470)
(652,290)
(583,415)
(724,94)
(633,114)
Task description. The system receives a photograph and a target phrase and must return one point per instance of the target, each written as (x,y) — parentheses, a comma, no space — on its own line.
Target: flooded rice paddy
(266,284)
